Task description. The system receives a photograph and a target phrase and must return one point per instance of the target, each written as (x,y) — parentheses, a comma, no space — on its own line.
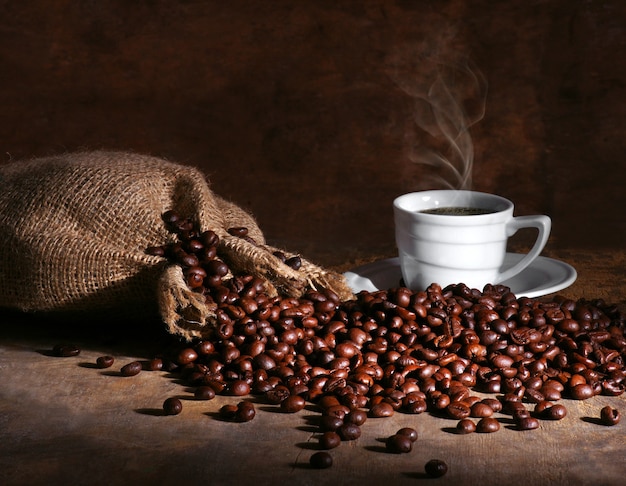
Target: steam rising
(449,97)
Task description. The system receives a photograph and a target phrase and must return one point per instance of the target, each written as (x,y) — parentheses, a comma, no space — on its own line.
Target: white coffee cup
(469,248)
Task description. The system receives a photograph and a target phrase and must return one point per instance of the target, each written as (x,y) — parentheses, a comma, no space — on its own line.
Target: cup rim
(409,203)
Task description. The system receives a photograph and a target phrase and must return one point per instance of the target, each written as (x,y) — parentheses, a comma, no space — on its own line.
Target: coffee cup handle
(543,224)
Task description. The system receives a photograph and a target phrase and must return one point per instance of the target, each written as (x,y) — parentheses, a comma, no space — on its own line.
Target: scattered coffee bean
(105,361)
(321,460)
(329,440)
(551,411)
(349,432)
(65,350)
(609,415)
(292,404)
(399,444)
(527,423)
(204,393)
(435,468)
(487,425)
(382,409)
(172,406)
(389,350)
(357,417)
(228,412)
(465,426)
(131,369)
(245,411)
(410,432)
(155,364)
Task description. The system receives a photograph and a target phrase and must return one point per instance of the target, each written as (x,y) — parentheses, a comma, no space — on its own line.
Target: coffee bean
(294,262)
(155,364)
(609,415)
(329,440)
(228,411)
(105,361)
(321,460)
(382,409)
(399,443)
(186,356)
(204,393)
(435,468)
(395,350)
(552,411)
(330,423)
(480,410)
(527,423)
(292,404)
(582,391)
(172,406)
(349,432)
(487,425)
(65,350)
(357,417)
(411,433)
(465,426)
(458,410)
(245,411)
(131,369)
(239,388)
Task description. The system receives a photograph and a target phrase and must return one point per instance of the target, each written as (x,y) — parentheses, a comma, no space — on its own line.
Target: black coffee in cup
(458,211)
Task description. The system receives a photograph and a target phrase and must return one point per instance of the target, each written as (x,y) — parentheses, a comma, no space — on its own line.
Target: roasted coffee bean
(172,406)
(435,468)
(330,423)
(292,404)
(329,440)
(131,369)
(186,356)
(396,350)
(245,411)
(321,460)
(487,425)
(105,361)
(527,423)
(154,364)
(238,231)
(357,417)
(458,410)
(65,350)
(294,262)
(582,391)
(228,412)
(349,432)
(609,415)
(465,426)
(239,388)
(495,404)
(552,411)
(480,410)
(204,393)
(399,443)
(382,409)
(410,432)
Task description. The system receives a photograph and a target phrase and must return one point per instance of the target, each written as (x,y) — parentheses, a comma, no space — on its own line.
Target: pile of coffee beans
(391,351)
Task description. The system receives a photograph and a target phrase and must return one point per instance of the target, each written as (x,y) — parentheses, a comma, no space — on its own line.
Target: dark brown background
(302,112)
(294,109)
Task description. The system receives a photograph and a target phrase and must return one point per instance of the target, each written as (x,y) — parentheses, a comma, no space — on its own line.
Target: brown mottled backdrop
(302,111)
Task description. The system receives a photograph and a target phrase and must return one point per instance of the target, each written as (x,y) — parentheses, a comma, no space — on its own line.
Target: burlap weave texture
(74,229)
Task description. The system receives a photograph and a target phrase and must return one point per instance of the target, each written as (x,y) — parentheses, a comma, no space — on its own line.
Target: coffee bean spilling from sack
(396,350)
(78,225)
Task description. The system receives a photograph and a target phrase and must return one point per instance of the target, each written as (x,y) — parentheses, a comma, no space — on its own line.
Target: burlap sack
(74,229)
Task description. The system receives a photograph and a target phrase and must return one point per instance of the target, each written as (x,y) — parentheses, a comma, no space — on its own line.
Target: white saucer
(543,276)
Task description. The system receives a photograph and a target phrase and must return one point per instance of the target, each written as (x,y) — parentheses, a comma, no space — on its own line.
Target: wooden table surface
(63,421)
